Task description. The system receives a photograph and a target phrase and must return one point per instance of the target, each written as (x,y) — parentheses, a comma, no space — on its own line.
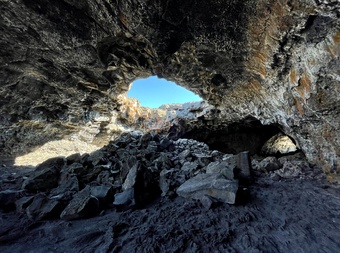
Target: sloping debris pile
(130,172)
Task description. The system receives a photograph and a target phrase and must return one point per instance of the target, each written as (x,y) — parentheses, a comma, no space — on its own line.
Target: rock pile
(131,171)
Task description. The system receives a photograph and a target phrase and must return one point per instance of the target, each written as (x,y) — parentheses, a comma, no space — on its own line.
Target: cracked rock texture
(277,61)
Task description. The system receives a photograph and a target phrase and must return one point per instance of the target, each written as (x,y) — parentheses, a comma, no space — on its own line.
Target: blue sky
(154,92)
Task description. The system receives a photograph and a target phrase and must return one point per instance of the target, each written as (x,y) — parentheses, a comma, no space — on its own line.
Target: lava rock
(66,189)
(165,180)
(226,168)
(83,205)
(189,166)
(104,193)
(131,177)
(213,185)
(269,163)
(8,199)
(292,169)
(125,199)
(45,176)
(43,208)
(22,203)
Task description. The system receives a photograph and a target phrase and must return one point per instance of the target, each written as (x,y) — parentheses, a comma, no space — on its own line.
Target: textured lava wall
(274,60)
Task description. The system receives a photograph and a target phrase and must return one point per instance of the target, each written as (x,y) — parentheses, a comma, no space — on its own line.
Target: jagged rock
(22,203)
(75,158)
(96,157)
(104,193)
(299,156)
(43,208)
(183,155)
(292,169)
(279,144)
(106,177)
(165,180)
(8,199)
(213,185)
(56,162)
(83,205)
(145,139)
(76,168)
(131,177)
(151,148)
(45,176)
(226,168)
(269,163)
(189,166)
(125,199)
(162,162)
(67,188)
(165,143)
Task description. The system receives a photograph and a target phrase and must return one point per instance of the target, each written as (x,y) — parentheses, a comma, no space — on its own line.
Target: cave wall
(277,61)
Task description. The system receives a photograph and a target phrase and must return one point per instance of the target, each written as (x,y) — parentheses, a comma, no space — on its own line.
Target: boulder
(8,199)
(269,163)
(292,169)
(43,208)
(125,199)
(66,189)
(73,158)
(45,176)
(279,144)
(226,168)
(83,205)
(104,193)
(22,203)
(214,185)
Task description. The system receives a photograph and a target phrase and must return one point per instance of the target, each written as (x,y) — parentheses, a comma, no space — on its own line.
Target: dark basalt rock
(64,64)
(45,176)
(158,192)
(134,175)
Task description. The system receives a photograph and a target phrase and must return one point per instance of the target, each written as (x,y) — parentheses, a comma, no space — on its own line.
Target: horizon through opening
(153,92)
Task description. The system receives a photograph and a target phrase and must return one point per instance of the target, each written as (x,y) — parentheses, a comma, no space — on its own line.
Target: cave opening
(245,135)
(154,92)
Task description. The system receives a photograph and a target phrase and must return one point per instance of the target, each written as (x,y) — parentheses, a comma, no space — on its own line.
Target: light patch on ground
(53,149)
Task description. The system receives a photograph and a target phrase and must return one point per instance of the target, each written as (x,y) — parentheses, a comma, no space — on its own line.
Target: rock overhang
(276,61)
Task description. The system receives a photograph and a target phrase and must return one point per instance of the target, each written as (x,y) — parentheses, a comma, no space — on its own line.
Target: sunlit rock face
(275,61)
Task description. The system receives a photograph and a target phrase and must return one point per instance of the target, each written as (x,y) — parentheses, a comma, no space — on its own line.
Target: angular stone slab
(226,168)
(213,185)
(43,208)
(46,175)
(83,205)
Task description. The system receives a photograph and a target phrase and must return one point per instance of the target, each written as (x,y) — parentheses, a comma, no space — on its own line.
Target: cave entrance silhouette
(153,92)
